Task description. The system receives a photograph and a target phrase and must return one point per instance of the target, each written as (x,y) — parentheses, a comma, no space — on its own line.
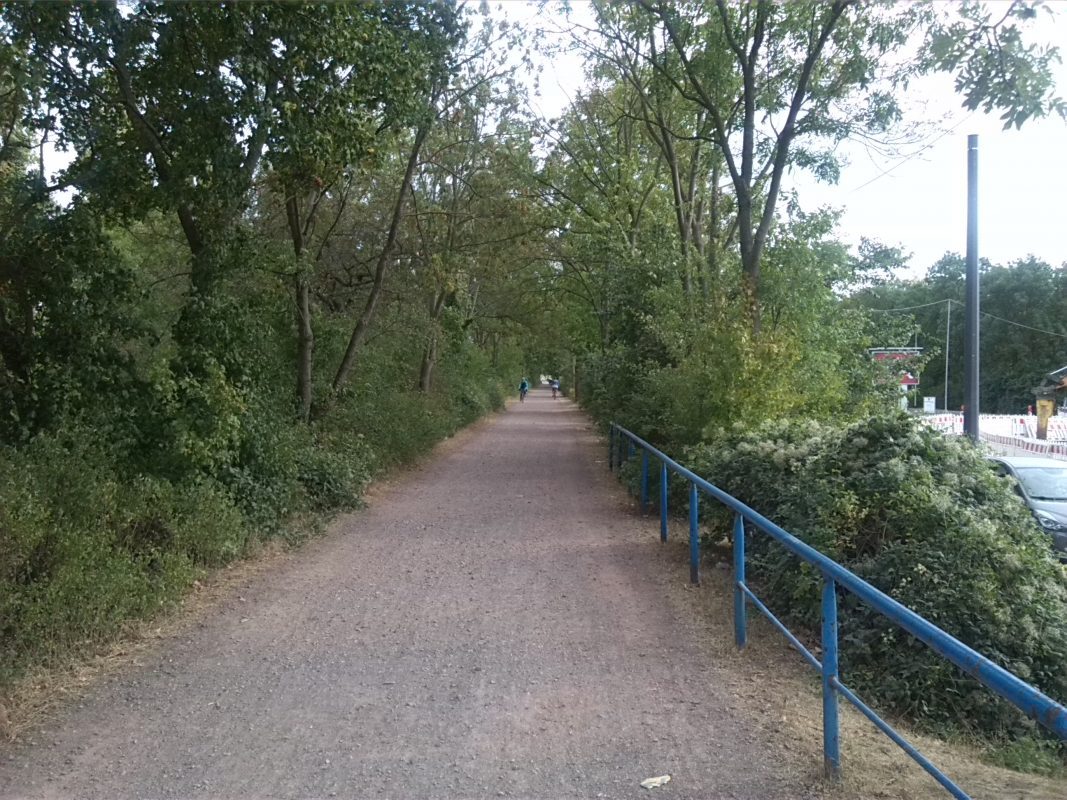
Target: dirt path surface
(495,624)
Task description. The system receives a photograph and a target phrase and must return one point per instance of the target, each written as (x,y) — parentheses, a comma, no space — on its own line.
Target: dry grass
(36,697)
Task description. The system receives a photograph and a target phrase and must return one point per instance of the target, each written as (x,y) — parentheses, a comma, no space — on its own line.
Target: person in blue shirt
(524,387)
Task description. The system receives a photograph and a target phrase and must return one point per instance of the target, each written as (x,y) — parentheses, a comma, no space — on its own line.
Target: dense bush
(923,518)
(90,539)
(82,550)
(333,479)
(720,374)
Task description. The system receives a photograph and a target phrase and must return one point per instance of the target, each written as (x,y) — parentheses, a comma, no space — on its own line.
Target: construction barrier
(944,423)
(1035,446)
(1014,430)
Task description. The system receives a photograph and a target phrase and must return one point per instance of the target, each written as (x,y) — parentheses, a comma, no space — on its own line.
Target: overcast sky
(919,203)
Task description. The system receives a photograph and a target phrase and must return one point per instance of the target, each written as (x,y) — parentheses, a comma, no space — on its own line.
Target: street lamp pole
(948,342)
(970,417)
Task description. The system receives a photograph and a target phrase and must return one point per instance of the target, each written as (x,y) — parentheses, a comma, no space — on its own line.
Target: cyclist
(555,388)
(524,387)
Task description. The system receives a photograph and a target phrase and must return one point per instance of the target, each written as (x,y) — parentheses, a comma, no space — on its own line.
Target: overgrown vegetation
(295,244)
(923,518)
(87,542)
(278,268)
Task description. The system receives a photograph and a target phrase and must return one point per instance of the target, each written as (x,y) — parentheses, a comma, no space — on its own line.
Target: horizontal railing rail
(1029,700)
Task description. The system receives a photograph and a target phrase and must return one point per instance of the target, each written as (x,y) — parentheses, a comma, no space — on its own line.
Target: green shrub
(80,552)
(209,529)
(397,423)
(98,529)
(262,475)
(923,518)
(495,395)
(334,479)
(1030,755)
(409,427)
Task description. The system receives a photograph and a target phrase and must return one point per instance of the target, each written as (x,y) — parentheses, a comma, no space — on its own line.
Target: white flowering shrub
(926,520)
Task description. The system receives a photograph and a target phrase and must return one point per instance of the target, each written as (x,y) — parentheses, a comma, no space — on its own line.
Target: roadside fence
(625,445)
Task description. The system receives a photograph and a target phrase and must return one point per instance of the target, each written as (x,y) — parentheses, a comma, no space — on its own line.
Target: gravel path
(496,624)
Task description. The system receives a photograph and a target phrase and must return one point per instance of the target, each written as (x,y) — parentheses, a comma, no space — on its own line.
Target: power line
(1013,322)
(1020,325)
(912,308)
(983,313)
(910,156)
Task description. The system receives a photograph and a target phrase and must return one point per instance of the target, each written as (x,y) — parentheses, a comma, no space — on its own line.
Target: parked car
(1043,484)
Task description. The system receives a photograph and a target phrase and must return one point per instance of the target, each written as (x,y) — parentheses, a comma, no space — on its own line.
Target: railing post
(663,503)
(644,481)
(831,744)
(629,449)
(740,623)
(611,447)
(694,535)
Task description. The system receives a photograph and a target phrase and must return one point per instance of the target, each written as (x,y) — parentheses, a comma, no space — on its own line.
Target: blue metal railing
(1033,703)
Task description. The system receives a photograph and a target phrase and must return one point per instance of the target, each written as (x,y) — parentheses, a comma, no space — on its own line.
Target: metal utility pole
(970,345)
(948,341)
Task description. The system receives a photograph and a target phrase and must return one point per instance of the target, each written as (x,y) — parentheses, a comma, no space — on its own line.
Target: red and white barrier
(1035,446)
(1057,429)
(1017,431)
(945,423)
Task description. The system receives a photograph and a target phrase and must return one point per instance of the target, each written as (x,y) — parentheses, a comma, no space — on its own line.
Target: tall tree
(477,235)
(781,83)
(335,120)
(178,107)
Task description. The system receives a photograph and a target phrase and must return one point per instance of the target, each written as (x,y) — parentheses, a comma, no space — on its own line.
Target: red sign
(898,354)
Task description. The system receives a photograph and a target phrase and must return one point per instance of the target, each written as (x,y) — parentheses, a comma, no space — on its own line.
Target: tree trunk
(429,361)
(429,353)
(359,332)
(750,287)
(305,346)
(750,258)
(305,336)
(714,239)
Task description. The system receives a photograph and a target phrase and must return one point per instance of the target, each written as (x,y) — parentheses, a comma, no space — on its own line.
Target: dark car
(1043,484)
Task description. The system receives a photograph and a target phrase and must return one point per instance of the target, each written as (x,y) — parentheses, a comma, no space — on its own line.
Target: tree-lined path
(496,623)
